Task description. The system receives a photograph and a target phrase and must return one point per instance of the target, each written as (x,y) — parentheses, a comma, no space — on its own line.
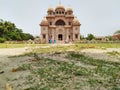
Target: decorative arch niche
(60,23)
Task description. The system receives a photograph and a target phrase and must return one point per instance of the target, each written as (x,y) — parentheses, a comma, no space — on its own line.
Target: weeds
(90,60)
(114,53)
(61,75)
(23,67)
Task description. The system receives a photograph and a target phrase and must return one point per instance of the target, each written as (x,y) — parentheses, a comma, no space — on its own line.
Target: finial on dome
(60,6)
(59,2)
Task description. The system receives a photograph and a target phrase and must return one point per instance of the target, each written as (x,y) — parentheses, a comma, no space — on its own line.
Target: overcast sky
(99,17)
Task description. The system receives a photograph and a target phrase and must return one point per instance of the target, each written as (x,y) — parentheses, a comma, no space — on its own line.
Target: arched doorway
(60,37)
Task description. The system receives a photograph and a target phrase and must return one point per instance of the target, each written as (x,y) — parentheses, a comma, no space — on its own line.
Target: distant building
(60,26)
(116,36)
(100,38)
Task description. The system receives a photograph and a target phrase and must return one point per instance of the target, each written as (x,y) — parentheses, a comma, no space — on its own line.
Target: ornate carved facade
(60,26)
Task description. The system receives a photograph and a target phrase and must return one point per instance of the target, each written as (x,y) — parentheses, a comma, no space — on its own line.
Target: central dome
(60,7)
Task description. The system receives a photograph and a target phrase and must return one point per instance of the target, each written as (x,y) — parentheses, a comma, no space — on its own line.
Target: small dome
(44,21)
(69,9)
(75,21)
(50,9)
(60,7)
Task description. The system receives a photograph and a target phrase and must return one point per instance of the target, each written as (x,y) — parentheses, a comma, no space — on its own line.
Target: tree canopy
(118,31)
(90,37)
(9,31)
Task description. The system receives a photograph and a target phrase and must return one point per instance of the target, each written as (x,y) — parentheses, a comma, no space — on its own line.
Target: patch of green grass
(23,67)
(101,45)
(114,53)
(74,46)
(50,74)
(55,74)
(105,74)
(5,45)
(90,60)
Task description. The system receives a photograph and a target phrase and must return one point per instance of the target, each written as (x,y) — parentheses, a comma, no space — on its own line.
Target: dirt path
(12,51)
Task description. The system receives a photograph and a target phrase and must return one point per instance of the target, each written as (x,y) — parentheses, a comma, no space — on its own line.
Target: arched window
(50,23)
(56,12)
(60,37)
(50,13)
(69,23)
(59,12)
(44,36)
(62,12)
(76,36)
(60,23)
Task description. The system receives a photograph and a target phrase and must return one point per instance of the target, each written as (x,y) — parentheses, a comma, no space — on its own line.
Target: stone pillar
(67,35)
(46,37)
(52,35)
(73,36)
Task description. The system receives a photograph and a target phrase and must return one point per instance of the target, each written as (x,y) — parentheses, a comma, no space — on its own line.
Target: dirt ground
(7,63)
(103,54)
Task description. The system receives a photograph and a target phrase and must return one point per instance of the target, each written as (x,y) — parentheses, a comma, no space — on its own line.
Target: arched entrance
(60,37)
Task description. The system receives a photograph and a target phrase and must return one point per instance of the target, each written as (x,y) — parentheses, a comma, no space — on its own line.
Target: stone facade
(60,26)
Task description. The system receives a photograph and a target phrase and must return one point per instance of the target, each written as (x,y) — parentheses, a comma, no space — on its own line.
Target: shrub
(2,40)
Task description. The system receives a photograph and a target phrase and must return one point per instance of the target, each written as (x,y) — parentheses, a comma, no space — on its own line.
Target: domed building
(60,26)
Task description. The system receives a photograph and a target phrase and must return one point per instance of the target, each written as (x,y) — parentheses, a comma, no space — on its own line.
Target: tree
(9,31)
(28,36)
(109,38)
(1,28)
(2,40)
(90,37)
(117,32)
(82,37)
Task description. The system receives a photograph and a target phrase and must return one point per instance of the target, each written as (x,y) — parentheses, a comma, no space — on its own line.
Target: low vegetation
(51,74)
(114,53)
(73,46)
(57,67)
(5,45)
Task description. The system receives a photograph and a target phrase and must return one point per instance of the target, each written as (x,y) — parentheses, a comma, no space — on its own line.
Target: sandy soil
(103,54)
(6,63)
(12,51)
(101,50)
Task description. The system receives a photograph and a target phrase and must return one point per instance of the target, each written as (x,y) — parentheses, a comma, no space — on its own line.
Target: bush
(2,40)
